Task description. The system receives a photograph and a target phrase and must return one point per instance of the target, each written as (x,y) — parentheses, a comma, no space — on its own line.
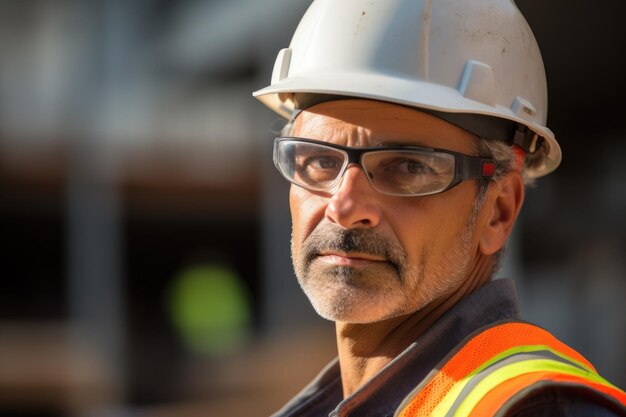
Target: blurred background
(145,263)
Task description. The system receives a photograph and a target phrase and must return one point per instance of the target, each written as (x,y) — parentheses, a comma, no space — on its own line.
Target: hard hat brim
(404,91)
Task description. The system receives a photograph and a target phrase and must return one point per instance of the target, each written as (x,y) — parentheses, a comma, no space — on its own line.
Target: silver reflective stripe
(514,358)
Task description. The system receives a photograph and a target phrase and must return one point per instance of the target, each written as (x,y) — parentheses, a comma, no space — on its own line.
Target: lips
(349,259)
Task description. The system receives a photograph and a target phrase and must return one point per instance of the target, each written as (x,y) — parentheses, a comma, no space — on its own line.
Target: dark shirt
(381,396)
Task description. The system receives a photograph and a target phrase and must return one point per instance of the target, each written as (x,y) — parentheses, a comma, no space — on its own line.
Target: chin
(351,307)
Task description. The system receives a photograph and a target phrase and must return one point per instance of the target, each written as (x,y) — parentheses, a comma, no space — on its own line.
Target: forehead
(370,123)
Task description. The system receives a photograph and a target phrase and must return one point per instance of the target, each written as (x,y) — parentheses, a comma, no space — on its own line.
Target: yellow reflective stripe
(515,369)
(529,349)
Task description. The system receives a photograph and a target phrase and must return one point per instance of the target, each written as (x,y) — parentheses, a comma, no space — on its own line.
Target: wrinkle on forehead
(338,133)
(357,122)
(324,126)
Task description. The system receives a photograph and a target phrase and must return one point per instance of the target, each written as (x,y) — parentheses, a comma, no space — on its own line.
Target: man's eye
(323,162)
(415,167)
(410,166)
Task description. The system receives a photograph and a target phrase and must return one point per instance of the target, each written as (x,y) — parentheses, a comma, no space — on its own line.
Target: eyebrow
(396,144)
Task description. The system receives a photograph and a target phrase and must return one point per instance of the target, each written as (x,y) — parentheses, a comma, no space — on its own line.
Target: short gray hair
(505,161)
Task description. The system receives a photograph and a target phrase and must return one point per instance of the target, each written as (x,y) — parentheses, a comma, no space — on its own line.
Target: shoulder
(558,401)
(514,369)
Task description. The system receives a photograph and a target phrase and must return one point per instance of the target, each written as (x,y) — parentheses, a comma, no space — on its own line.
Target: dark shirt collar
(494,302)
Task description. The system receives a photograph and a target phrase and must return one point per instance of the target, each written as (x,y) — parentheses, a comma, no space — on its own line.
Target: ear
(502,206)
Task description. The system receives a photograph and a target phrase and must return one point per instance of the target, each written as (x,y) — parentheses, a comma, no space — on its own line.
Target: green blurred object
(210,310)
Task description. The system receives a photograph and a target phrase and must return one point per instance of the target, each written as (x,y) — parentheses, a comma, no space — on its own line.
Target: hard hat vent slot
(523,109)
(281,67)
(477,83)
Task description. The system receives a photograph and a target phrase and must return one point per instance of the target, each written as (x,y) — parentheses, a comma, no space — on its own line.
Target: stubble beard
(386,290)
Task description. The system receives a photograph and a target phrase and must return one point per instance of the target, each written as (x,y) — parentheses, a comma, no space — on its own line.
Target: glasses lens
(409,172)
(309,165)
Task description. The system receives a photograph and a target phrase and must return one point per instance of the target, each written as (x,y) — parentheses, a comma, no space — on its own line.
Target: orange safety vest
(497,367)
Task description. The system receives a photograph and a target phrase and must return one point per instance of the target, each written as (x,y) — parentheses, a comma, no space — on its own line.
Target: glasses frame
(466,167)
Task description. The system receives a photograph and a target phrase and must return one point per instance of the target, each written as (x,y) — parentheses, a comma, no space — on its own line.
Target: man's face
(362,256)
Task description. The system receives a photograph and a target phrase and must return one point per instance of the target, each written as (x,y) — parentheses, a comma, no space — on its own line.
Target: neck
(364,349)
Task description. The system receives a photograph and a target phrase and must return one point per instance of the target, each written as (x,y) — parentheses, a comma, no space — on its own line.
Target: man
(414,126)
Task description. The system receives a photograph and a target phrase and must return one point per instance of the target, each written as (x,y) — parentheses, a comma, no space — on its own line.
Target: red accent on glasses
(489,168)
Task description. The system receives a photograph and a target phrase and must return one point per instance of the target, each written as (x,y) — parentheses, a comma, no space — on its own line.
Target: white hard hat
(474,63)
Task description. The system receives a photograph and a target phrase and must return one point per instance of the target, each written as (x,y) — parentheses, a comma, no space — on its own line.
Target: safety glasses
(398,170)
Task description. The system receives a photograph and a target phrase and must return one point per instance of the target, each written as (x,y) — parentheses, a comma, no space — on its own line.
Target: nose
(353,203)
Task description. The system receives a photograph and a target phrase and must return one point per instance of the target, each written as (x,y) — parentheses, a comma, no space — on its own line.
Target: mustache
(327,237)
